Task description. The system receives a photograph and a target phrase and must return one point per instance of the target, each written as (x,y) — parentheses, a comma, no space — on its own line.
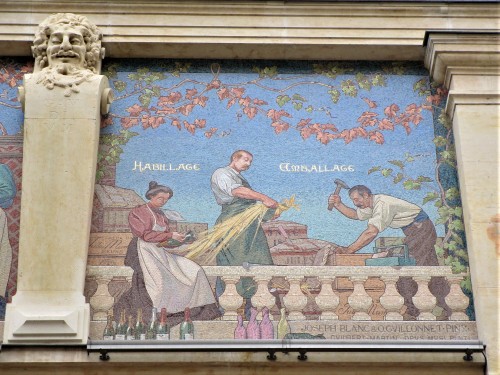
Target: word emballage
(315,168)
(166,167)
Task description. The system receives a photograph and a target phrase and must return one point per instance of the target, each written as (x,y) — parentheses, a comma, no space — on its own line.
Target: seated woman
(162,278)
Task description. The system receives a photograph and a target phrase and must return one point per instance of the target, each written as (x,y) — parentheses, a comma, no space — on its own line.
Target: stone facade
(466,62)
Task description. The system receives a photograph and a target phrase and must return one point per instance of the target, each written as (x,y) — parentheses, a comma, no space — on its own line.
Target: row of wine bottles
(157,328)
(263,330)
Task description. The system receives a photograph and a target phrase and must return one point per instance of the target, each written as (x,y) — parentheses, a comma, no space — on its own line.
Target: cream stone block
(493,233)
(477,130)
(40,316)
(482,202)
(477,134)
(489,81)
(478,172)
(60,156)
(257,49)
(487,304)
(481,173)
(471,98)
(472,77)
(290,16)
(479,204)
(67,109)
(324,17)
(483,257)
(267,30)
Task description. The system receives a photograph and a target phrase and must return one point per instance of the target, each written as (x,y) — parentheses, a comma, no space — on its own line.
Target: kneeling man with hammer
(383,211)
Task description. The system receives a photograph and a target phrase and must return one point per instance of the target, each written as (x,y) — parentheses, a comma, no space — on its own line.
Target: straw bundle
(222,234)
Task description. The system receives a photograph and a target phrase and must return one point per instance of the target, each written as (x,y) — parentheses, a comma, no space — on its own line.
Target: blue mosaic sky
(199,112)
(170,146)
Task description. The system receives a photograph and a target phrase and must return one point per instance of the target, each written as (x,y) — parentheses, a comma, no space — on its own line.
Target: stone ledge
(252,29)
(17,357)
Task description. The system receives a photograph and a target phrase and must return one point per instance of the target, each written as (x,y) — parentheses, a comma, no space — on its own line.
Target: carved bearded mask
(66,46)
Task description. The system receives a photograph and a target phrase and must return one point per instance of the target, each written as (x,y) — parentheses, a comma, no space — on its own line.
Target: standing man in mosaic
(234,194)
(7,194)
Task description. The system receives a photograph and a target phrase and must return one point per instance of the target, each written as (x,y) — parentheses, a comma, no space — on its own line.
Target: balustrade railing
(295,298)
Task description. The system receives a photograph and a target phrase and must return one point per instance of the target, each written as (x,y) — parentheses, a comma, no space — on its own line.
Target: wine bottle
(283,326)
(130,333)
(109,330)
(240,332)
(163,331)
(121,328)
(266,326)
(187,326)
(153,325)
(140,327)
(253,331)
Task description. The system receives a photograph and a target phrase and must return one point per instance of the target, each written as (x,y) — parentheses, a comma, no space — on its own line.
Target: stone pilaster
(469,66)
(63,101)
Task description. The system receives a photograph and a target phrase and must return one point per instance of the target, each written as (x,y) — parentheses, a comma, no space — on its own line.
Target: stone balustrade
(296,297)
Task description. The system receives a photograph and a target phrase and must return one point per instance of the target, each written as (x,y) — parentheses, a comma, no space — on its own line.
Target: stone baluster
(102,300)
(327,300)
(424,300)
(391,300)
(456,299)
(230,300)
(359,300)
(295,300)
(262,297)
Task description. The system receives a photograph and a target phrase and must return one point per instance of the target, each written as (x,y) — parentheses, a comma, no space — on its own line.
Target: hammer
(340,184)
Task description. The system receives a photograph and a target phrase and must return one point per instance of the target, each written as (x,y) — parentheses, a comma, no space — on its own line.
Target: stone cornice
(464,51)
(452,74)
(218,29)
(468,65)
(472,97)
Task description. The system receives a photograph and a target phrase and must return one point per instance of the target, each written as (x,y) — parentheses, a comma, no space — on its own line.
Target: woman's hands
(176,240)
(178,236)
